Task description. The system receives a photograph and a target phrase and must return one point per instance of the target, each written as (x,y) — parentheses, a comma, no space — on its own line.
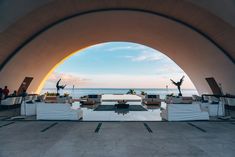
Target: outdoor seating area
(181,108)
(50,108)
(62,109)
(53,106)
(209,106)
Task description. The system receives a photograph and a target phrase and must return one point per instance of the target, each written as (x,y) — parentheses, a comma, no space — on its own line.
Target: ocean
(78,92)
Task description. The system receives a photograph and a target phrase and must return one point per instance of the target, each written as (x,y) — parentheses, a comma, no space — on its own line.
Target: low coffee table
(122,104)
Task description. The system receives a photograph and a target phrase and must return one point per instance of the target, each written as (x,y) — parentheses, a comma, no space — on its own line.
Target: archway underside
(197,56)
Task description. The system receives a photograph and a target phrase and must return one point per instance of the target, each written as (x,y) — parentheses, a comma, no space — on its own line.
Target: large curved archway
(193,52)
(118,65)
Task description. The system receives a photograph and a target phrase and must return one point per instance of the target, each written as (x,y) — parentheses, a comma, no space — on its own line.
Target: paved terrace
(118,139)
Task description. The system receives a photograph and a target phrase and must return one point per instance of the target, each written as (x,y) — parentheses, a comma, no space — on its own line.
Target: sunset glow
(117,65)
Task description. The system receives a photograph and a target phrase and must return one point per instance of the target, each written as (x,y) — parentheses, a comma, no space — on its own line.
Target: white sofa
(112,99)
(58,99)
(66,99)
(214,109)
(231,101)
(58,111)
(90,99)
(196,98)
(11,101)
(152,99)
(184,112)
(31,97)
(179,100)
(18,100)
(28,109)
(8,101)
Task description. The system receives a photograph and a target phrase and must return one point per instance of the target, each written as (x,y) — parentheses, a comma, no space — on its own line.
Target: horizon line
(118,88)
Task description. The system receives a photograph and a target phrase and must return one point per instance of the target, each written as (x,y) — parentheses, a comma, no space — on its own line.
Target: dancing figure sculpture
(58,86)
(178,84)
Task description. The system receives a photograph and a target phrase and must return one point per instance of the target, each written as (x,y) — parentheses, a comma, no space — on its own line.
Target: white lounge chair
(64,99)
(112,99)
(28,109)
(179,100)
(58,99)
(196,98)
(184,112)
(91,100)
(29,98)
(214,109)
(9,101)
(18,100)
(152,100)
(58,111)
(214,106)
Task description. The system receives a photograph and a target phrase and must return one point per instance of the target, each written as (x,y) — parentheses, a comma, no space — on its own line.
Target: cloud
(66,78)
(115,81)
(130,47)
(159,76)
(146,55)
(169,69)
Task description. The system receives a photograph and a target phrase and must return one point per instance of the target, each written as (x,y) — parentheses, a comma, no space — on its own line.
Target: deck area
(106,139)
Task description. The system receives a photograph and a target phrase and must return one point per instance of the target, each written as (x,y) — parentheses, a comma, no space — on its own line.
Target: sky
(118,65)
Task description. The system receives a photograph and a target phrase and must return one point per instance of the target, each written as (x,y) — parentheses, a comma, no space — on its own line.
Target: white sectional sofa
(152,99)
(231,101)
(28,109)
(184,112)
(10,101)
(91,99)
(112,99)
(214,109)
(57,111)
(179,100)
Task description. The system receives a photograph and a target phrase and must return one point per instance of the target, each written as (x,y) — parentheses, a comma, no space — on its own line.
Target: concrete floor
(120,139)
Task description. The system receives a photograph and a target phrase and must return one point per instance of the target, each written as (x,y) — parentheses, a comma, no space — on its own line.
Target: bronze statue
(178,84)
(58,87)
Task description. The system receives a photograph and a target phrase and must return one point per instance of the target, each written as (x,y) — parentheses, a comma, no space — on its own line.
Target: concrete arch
(190,49)
(35,35)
